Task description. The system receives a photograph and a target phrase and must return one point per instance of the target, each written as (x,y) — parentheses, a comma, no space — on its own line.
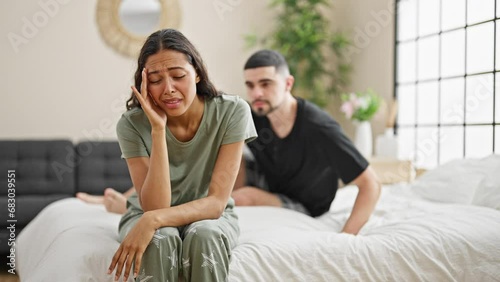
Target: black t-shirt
(307,164)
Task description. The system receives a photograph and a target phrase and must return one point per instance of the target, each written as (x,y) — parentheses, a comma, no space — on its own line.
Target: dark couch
(50,170)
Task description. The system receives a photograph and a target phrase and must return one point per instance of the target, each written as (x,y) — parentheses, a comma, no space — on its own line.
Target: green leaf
(250,40)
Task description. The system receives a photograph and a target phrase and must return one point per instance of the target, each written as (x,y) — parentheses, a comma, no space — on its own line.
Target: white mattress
(406,239)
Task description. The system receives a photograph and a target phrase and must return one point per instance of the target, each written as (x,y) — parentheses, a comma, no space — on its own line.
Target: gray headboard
(50,170)
(100,166)
(43,173)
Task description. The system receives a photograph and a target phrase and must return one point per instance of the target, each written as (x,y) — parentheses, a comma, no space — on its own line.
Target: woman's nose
(169,87)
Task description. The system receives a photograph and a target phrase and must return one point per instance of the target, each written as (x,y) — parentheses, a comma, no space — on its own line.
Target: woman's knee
(166,238)
(204,233)
(168,231)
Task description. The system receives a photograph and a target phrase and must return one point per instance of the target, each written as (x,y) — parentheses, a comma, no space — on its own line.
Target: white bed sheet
(406,239)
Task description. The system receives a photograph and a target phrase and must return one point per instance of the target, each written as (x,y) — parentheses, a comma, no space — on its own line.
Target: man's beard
(261,111)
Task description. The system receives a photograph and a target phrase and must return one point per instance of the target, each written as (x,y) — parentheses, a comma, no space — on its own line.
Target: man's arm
(244,195)
(369,192)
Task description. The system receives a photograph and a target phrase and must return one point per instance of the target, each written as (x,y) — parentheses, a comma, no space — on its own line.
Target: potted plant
(315,54)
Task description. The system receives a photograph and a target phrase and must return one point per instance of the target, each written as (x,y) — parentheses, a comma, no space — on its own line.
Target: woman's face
(171,81)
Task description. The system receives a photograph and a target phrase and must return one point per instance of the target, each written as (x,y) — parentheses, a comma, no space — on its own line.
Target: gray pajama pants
(199,251)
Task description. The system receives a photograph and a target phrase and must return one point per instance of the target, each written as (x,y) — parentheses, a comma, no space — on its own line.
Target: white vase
(363,138)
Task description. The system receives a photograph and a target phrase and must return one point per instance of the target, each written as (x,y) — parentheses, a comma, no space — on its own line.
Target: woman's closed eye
(155,79)
(177,73)
(179,76)
(159,80)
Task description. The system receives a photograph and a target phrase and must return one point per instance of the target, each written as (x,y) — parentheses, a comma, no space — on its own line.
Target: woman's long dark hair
(171,39)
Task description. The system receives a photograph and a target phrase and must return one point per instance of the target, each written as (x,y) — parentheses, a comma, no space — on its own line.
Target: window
(447,61)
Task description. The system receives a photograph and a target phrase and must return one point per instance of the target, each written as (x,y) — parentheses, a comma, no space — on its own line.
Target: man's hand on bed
(133,247)
(113,200)
(253,196)
(369,192)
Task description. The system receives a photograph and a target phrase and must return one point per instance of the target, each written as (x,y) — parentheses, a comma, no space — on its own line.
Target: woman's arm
(151,176)
(212,206)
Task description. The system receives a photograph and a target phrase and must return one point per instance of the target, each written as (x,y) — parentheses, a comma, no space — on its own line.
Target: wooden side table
(391,170)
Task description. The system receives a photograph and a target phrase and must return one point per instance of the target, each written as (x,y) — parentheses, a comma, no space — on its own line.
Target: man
(299,155)
(301,152)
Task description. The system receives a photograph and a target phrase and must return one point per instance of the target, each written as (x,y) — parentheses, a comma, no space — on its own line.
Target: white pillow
(455,181)
(488,192)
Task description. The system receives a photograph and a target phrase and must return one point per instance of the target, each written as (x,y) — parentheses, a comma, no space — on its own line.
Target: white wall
(370,25)
(64,82)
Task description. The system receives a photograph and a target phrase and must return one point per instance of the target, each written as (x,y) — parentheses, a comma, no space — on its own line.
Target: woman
(182,141)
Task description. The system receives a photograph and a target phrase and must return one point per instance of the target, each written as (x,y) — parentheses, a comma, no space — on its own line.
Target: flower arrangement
(360,106)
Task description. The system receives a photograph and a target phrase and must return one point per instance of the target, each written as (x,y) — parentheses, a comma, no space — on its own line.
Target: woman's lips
(172,103)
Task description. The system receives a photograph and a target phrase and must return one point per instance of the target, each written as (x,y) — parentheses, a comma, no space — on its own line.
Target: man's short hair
(268,58)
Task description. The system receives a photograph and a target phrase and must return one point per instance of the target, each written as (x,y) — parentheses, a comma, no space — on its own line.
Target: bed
(443,227)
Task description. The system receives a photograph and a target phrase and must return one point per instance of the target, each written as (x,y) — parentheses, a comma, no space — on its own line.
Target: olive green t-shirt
(226,119)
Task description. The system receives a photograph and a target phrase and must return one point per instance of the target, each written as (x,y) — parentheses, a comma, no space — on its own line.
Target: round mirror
(140,17)
(125,24)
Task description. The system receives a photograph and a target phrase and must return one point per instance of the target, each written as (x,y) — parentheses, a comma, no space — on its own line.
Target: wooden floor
(7,277)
